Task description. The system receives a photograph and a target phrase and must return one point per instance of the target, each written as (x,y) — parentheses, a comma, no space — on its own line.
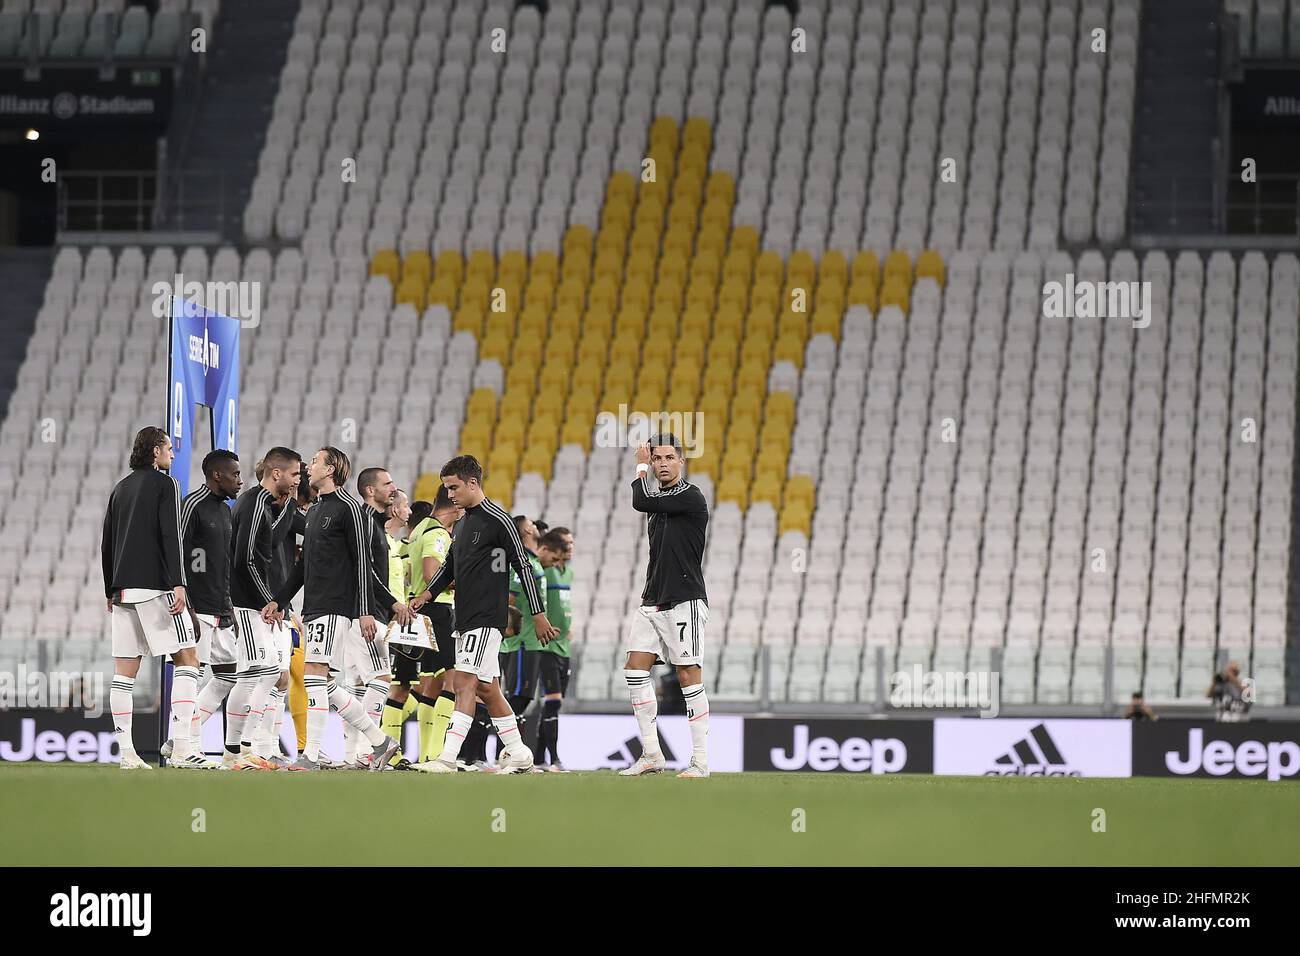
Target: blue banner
(202,369)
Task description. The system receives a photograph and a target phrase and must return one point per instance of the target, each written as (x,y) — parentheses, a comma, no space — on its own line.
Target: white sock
(185,692)
(508,731)
(122,706)
(237,706)
(268,734)
(262,688)
(646,707)
(318,711)
(351,740)
(697,714)
(350,710)
(456,731)
(211,697)
(372,701)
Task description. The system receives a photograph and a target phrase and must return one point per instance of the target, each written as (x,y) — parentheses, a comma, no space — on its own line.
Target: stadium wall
(1005,747)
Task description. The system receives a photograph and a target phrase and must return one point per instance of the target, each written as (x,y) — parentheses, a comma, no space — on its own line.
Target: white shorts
(148,629)
(216,644)
(364,660)
(256,645)
(676,634)
(478,651)
(282,637)
(325,639)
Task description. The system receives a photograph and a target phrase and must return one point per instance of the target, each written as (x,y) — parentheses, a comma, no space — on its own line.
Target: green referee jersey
(527,636)
(396,566)
(428,539)
(559,609)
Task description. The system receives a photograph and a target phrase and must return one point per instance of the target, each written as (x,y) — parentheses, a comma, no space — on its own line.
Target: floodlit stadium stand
(483,243)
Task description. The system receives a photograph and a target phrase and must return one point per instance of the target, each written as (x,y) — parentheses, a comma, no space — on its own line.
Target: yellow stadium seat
(509,430)
(827,322)
(653,375)
(450,265)
(577,239)
(929,264)
(481,399)
(800,489)
(514,265)
(802,270)
(745,238)
(833,268)
(426,487)
(766,490)
(757,350)
(386,263)
(482,264)
(418,264)
(411,291)
(742,434)
(577,433)
(898,264)
(443,291)
(866,265)
(795,519)
(780,407)
(863,292)
(793,322)
(539,460)
(895,292)
(722,187)
(494,347)
(544,263)
(770,267)
(622,184)
(789,348)
(705,464)
(500,488)
(734,488)
(715,406)
(746,402)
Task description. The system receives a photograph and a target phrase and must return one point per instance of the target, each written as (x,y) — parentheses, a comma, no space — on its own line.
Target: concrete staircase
(23,274)
(1176,127)
(214,149)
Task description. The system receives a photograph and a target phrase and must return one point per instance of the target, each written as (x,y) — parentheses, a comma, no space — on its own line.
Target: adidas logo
(1035,756)
(630,752)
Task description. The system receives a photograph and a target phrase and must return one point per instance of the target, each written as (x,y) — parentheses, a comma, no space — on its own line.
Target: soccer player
(427,547)
(366,662)
(473,753)
(521,655)
(205,538)
(555,551)
(289,522)
(674,607)
(259,648)
(336,574)
(144,587)
(297,688)
(485,543)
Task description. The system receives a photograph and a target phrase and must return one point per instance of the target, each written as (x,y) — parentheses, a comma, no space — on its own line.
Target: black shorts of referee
(411,663)
(554,674)
(519,670)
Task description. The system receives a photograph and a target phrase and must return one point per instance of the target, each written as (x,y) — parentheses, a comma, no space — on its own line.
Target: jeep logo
(855,754)
(1250,758)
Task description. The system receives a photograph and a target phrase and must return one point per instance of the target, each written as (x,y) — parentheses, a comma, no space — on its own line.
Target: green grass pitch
(104,817)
